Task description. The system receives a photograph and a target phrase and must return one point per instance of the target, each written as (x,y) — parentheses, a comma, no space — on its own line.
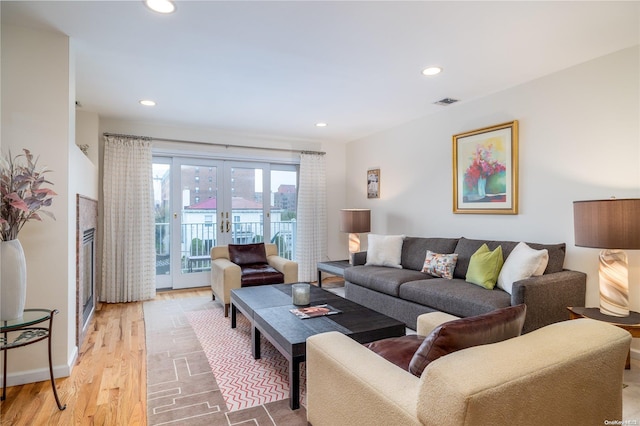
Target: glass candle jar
(300,294)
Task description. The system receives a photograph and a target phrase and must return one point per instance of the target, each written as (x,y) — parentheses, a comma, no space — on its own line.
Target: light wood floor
(107,385)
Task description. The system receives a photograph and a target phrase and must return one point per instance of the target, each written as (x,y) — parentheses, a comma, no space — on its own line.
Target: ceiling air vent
(446,101)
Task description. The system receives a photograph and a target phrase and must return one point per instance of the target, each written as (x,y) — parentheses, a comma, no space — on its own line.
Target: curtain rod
(226,145)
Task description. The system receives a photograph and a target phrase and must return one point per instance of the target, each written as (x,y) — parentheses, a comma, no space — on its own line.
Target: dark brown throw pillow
(452,336)
(247,254)
(398,350)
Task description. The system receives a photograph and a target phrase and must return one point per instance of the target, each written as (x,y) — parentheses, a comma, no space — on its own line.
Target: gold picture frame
(485,170)
(373,183)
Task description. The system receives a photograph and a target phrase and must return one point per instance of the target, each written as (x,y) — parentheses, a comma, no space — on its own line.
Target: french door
(201,203)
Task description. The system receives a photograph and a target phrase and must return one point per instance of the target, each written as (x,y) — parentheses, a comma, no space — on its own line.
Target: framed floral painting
(485,170)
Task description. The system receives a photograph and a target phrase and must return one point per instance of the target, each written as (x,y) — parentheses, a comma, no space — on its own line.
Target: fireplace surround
(86,249)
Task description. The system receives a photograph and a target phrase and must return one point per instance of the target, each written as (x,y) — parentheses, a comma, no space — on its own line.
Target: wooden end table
(334,267)
(630,323)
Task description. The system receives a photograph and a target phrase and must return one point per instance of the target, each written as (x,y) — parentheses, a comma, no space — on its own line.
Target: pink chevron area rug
(244,382)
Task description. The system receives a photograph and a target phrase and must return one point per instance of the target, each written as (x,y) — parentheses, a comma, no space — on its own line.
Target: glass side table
(23,331)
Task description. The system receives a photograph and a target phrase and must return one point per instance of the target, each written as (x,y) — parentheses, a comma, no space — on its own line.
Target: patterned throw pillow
(440,265)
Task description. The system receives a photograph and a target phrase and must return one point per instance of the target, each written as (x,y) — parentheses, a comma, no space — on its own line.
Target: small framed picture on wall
(373,183)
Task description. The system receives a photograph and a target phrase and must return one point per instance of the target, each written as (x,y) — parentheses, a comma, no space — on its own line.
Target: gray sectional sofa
(406,293)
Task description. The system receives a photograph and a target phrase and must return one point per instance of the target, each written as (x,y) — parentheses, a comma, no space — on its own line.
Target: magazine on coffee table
(315,311)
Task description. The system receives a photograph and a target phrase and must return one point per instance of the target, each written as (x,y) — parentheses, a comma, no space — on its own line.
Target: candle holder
(300,294)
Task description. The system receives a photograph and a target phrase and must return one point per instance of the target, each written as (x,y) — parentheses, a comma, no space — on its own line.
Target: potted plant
(23,196)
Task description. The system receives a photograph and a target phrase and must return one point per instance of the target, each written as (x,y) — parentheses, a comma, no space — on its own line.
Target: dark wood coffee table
(267,308)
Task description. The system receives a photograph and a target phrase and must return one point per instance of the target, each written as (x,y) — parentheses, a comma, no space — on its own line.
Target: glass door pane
(247,204)
(284,204)
(162,205)
(198,217)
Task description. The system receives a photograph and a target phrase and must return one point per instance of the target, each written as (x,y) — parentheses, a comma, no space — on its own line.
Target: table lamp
(612,225)
(355,221)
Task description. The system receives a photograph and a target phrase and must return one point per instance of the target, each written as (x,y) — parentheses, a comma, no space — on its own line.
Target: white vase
(13,282)
(482,185)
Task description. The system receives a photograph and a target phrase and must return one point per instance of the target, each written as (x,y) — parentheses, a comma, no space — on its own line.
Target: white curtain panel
(128,250)
(311,241)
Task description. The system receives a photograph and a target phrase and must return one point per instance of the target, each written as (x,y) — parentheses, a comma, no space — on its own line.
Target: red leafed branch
(22,193)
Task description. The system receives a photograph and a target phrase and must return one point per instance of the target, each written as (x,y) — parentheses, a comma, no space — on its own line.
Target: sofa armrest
(548,296)
(288,267)
(531,379)
(350,384)
(225,276)
(359,258)
(430,321)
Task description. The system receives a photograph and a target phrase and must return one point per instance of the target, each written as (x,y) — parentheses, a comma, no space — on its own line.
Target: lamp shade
(355,221)
(608,224)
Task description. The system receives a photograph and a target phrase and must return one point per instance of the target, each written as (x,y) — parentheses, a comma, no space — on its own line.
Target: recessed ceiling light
(432,71)
(161,6)
(147,102)
(321,124)
(446,101)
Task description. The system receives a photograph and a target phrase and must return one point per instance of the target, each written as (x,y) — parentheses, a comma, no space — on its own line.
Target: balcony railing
(197,239)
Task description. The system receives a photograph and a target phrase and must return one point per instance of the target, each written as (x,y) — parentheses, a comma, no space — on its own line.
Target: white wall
(38,113)
(84,169)
(579,139)
(87,124)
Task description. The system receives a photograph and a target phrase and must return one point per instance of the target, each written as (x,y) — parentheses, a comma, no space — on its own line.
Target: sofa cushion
(440,265)
(414,250)
(247,254)
(523,262)
(463,333)
(259,274)
(484,267)
(466,247)
(398,350)
(456,297)
(384,250)
(556,256)
(382,279)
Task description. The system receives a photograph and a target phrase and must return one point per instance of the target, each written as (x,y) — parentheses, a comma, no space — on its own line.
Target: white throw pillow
(523,262)
(384,250)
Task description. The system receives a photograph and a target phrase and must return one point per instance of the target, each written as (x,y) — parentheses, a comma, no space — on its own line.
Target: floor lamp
(354,221)
(612,225)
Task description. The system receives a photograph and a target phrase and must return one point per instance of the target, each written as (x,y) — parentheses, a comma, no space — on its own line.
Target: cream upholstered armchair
(565,373)
(243,265)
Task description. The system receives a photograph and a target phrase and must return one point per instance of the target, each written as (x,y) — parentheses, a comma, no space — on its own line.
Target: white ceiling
(277,68)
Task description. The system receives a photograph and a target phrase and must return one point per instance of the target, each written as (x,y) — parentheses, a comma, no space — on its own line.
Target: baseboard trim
(42,374)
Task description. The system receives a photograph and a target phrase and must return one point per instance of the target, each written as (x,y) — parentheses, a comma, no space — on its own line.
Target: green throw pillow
(484,267)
